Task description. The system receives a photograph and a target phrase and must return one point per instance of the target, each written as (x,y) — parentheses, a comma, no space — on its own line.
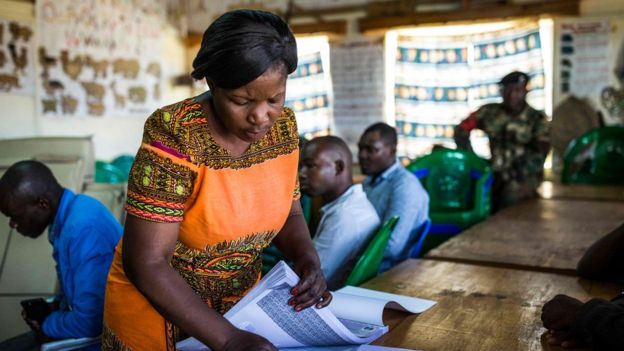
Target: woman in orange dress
(213,183)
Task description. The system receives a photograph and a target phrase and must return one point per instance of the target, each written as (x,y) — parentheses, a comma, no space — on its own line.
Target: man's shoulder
(89,212)
(356,205)
(535,114)
(490,109)
(404,177)
(406,185)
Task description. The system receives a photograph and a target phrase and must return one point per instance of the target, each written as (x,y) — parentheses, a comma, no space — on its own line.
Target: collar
(385,174)
(342,198)
(59,219)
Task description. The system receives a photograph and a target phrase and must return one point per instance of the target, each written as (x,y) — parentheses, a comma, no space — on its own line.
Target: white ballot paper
(354,316)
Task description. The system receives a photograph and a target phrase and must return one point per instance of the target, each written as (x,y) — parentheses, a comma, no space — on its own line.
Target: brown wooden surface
(554,190)
(478,308)
(546,235)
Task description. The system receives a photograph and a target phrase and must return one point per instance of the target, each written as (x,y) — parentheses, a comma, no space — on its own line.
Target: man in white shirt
(348,219)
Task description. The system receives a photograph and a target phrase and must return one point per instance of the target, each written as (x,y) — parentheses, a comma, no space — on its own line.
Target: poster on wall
(358,83)
(582,58)
(99,58)
(16,58)
(440,80)
(308,95)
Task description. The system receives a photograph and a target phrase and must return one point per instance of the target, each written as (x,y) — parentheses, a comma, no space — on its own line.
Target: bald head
(29,196)
(335,147)
(325,168)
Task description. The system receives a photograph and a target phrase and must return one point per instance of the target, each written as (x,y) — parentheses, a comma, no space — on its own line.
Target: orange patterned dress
(230,208)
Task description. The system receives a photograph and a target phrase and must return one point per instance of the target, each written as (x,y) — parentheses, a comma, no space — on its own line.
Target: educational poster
(16,58)
(582,58)
(99,58)
(432,82)
(359,86)
(440,80)
(307,94)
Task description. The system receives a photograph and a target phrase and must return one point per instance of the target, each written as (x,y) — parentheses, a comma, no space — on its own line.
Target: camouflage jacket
(518,144)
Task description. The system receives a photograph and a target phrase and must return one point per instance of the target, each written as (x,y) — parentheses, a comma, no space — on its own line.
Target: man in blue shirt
(83,234)
(348,219)
(392,190)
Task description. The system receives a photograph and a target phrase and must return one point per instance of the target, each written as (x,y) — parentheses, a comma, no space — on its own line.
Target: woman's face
(249,112)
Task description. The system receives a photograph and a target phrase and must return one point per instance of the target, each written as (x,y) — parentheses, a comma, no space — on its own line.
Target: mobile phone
(36,309)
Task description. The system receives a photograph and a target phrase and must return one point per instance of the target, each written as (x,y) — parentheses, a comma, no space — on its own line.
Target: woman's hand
(311,288)
(242,340)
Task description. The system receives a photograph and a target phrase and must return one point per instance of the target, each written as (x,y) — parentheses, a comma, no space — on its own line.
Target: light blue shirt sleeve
(410,202)
(89,261)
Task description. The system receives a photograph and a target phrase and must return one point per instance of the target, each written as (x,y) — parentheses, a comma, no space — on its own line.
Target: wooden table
(555,190)
(542,235)
(479,308)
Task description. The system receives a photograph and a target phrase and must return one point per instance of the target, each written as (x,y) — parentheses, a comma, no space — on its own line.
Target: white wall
(112,136)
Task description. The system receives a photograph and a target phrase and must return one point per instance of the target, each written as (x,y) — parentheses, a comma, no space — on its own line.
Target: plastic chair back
(449,177)
(368,264)
(423,231)
(124,163)
(596,157)
(108,173)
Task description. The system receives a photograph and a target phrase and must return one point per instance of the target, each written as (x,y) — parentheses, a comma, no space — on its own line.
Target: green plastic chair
(108,173)
(124,163)
(459,186)
(368,264)
(596,157)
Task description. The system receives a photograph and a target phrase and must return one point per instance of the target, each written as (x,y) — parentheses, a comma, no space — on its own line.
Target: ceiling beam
(556,7)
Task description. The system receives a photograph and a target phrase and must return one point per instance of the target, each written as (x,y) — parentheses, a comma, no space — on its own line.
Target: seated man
(392,190)
(518,141)
(348,220)
(598,323)
(83,234)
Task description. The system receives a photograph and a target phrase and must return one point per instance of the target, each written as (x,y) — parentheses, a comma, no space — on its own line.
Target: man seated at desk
(348,219)
(598,322)
(392,190)
(83,234)
(518,141)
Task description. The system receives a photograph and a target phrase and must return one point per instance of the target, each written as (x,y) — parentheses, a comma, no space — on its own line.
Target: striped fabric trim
(154,210)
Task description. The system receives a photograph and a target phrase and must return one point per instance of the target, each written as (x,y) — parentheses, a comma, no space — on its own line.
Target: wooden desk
(554,190)
(543,235)
(479,308)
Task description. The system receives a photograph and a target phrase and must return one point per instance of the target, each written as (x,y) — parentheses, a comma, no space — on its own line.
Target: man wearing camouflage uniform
(518,141)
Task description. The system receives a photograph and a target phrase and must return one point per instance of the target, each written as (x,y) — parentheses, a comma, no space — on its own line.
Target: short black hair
(29,179)
(515,77)
(387,132)
(241,45)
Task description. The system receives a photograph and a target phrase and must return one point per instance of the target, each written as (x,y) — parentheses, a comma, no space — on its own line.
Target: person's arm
(462,131)
(410,202)
(294,241)
(147,250)
(89,258)
(597,322)
(605,258)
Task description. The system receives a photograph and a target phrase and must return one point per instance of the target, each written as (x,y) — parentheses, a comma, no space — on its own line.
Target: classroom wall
(112,136)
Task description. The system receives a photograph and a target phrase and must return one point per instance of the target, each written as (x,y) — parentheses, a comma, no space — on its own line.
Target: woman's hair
(241,45)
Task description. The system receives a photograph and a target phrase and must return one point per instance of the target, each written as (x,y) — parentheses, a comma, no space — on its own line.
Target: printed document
(354,316)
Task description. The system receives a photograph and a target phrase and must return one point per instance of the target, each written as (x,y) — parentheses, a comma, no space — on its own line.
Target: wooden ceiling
(382,15)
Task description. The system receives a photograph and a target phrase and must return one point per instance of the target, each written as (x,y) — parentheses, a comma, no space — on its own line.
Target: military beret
(515,77)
